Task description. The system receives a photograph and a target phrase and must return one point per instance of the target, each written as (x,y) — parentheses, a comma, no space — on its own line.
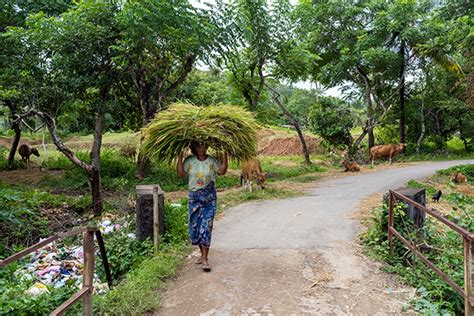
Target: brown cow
(25,152)
(252,170)
(458,177)
(388,150)
(350,166)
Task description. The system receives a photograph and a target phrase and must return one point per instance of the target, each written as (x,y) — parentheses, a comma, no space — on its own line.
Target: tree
(331,118)
(160,42)
(20,78)
(258,41)
(353,52)
(74,50)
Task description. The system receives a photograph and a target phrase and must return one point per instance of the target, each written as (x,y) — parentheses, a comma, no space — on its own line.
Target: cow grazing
(458,177)
(436,196)
(351,166)
(25,152)
(252,170)
(388,150)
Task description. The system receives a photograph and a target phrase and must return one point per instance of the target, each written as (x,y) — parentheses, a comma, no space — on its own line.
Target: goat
(458,177)
(350,166)
(251,169)
(25,152)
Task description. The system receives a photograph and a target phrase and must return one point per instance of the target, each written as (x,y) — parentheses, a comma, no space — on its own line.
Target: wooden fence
(85,293)
(468,238)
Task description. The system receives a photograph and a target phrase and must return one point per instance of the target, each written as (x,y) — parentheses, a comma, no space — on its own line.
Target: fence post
(88,272)
(469,276)
(390,220)
(156,219)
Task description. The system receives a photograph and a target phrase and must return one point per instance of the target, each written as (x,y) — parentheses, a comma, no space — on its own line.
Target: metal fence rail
(468,238)
(85,293)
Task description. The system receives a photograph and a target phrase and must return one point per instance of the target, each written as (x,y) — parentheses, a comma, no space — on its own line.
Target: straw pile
(221,127)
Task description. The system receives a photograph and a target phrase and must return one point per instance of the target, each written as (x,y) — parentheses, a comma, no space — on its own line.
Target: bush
(176,223)
(332,119)
(21,223)
(124,254)
(467,170)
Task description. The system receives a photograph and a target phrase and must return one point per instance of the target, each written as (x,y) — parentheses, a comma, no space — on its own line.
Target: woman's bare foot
(198,260)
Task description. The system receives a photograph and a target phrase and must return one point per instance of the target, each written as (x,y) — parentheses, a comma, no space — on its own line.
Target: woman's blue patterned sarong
(202,208)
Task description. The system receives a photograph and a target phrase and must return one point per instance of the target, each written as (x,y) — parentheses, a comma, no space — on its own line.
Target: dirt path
(295,256)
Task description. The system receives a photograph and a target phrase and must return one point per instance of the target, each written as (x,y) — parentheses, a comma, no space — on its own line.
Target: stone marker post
(146,221)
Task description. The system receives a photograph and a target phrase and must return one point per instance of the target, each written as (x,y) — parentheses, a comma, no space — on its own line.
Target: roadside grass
(140,291)
(436,241)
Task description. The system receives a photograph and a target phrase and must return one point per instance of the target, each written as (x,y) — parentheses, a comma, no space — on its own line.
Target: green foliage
(278,172)
(124,253)
(13,300)
(332,119)
(439,244)
(3,158)
(139,291)
(21,222)
(176,223)
(467,170)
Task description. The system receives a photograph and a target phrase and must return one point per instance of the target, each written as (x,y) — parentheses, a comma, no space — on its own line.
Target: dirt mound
(7,141)
(289,146)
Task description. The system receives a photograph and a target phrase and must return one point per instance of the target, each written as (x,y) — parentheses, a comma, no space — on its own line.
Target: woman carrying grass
(202,170)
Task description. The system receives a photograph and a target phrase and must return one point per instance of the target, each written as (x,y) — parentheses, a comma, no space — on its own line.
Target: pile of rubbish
(55,265)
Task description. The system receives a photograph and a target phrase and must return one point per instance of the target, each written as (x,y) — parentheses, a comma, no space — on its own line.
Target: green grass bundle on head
(222,127)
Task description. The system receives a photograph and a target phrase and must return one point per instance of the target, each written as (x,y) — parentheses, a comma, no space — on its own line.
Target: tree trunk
(142,162)
(368,100)
(402,93)
(94,173)
(142,167)
(15,142)
(371,140)
(423,128)
(293,122)
(15,126)
(355,145)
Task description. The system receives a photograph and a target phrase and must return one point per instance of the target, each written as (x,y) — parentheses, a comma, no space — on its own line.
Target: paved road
(267,256)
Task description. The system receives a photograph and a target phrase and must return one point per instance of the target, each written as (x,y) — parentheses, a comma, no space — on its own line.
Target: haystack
(221,127)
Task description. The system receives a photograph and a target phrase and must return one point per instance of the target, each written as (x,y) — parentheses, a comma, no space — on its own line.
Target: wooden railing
(468,238)
(85,293)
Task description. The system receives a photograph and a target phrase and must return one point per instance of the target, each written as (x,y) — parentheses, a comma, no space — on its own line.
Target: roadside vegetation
(436,241)
(84,78)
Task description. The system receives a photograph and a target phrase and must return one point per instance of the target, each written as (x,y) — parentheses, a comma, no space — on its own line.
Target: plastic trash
(37,289)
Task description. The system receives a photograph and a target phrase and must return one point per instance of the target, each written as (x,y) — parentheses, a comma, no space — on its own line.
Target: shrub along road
(296,256)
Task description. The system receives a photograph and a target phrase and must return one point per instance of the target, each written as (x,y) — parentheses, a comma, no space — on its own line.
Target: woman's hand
(179,166)
(223,169)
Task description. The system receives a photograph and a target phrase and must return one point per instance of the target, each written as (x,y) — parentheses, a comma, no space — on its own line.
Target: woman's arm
(180,167)
(223,169)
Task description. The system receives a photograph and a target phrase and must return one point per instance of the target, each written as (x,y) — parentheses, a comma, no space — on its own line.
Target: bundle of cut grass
(221,127)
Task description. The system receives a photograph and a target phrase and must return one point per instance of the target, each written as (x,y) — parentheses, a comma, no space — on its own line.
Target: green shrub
(21,221)
(13,300)
(332,119)
(124,254)
(440,245)
(176,223)
(60,162)
(467,170)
